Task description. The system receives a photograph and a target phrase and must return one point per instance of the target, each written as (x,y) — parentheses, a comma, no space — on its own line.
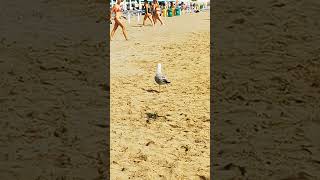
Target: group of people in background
(152,11)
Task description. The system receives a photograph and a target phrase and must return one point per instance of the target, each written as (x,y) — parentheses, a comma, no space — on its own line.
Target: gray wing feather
(161,79)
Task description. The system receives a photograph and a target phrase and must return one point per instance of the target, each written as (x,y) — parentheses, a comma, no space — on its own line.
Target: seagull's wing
(164,79)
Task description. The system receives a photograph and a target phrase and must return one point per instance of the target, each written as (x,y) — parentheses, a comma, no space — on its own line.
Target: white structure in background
(130,5)
(140,5)
(124,5)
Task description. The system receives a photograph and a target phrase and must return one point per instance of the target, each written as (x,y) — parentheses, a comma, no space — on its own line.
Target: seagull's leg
(159,88)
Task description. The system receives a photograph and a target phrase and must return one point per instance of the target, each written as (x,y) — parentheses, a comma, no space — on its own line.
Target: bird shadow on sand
(153,116)
(150,90)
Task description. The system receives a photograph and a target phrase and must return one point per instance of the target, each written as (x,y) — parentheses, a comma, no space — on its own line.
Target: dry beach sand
(162,135)
(53,90)
(266,90)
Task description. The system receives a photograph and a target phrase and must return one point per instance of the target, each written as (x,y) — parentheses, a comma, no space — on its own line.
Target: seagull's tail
(167,82)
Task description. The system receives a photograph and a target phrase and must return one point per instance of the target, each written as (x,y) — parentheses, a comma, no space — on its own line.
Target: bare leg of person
(151,21)
(124,31)
(154,19)
(115,27)
(144,20)
(158,17)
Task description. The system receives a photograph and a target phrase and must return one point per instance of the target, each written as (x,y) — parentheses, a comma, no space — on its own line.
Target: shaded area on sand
(266,90)
(53,61)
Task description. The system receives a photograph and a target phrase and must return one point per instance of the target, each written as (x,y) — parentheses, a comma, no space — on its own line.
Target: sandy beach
(162,135)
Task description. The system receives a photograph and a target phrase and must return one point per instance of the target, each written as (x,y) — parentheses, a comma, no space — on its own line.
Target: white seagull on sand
(160,78)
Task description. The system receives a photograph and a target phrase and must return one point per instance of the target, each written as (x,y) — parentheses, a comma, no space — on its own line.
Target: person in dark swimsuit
(147,14)
(156,12)
(117,22)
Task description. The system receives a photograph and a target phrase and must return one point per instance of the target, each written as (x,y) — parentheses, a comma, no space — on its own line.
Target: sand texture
(53,98)
(162,135)
(266,90)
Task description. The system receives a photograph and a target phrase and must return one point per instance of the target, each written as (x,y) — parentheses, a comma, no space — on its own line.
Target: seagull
(160,78)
